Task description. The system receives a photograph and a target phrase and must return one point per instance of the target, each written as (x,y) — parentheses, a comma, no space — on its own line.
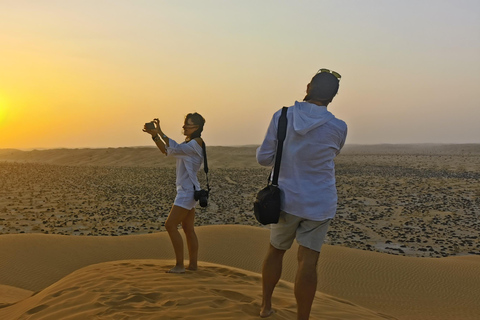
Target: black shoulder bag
(202,195)
(267,204)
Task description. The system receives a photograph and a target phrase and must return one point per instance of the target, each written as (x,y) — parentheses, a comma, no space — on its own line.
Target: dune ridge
(236,157)
(392,286)
(141,289)
(219,156)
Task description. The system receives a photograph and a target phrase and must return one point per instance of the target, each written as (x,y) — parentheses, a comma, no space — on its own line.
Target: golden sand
(413,210)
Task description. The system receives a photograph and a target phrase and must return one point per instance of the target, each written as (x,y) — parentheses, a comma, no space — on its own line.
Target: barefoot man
(307,183)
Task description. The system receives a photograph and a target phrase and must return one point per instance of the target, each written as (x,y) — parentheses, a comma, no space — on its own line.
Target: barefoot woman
(189,156)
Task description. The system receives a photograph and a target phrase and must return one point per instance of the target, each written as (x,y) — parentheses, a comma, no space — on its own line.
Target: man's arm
(266,152)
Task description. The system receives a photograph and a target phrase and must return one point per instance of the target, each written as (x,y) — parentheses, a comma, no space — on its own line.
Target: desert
(82,236)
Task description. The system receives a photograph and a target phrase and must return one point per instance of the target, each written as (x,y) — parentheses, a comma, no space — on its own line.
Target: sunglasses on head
(336,74)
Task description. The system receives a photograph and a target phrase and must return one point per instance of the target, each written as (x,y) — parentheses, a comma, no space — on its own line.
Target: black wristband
(156,138)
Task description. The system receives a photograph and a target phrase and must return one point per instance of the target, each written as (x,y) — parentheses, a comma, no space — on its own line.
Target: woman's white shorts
(185,199)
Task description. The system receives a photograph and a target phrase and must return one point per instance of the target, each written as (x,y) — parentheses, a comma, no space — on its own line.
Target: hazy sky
(90,73)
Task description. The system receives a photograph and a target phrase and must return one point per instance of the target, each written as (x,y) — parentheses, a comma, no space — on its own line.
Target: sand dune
(140,289)
(408,201)
(413,149)
(10,295)
(350,280)
(227,157)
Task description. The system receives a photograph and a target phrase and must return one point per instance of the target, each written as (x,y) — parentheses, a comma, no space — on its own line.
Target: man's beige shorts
(309,233)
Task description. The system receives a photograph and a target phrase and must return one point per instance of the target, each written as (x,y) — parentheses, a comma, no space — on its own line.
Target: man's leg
(306,281)
(271,272)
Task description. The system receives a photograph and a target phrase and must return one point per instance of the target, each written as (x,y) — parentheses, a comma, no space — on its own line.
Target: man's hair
(323,87)
(198,120)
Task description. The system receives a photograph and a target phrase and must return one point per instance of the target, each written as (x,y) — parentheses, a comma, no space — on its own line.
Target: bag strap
(281,133)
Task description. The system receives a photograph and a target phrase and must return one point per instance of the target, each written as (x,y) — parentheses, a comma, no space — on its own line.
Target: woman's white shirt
(189,158)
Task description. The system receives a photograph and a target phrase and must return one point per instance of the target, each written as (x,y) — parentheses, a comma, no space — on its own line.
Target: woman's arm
(184,150)
(162,135)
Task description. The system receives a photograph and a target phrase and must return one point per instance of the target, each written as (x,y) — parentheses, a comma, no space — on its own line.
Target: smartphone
(150,126)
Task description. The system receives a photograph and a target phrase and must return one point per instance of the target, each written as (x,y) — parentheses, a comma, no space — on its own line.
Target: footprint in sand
(37,309)
(59,293)
(141,297)
(233,295)
(169,303)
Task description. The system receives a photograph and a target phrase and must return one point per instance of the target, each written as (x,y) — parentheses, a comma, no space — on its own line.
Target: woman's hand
(155,131)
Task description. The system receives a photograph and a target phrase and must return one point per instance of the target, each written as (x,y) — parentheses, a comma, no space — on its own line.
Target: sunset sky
(90,73)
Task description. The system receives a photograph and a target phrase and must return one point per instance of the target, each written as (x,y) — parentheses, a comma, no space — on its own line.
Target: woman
(189,156)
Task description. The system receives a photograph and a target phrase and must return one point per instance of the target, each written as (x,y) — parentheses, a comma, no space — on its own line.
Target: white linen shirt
(307,171)
(189,158)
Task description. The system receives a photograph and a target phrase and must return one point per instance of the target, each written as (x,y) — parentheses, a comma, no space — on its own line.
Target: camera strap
(205,164)
(281,134)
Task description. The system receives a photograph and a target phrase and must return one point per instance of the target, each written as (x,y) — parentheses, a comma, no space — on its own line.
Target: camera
(150,125)
(201,196)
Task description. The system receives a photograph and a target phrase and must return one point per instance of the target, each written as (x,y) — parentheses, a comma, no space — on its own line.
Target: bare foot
(192,268)
(177,269)
(266,313)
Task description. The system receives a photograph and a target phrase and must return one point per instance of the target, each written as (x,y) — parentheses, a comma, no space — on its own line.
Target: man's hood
(308,116)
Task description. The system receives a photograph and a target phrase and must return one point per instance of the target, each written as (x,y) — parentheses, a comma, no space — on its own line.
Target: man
(307,183)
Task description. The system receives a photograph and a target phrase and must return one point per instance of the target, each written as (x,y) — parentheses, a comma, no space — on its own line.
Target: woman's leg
(192,241)
(176,216)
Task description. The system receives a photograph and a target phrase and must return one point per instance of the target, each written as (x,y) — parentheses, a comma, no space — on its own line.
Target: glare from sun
(3,109)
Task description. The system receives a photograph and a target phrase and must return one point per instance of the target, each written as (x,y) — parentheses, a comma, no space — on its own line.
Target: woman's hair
(198,120)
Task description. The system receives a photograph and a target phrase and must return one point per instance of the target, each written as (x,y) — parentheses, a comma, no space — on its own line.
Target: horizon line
(252,145)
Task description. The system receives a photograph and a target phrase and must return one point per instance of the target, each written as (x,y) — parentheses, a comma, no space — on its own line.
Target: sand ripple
(141,289)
